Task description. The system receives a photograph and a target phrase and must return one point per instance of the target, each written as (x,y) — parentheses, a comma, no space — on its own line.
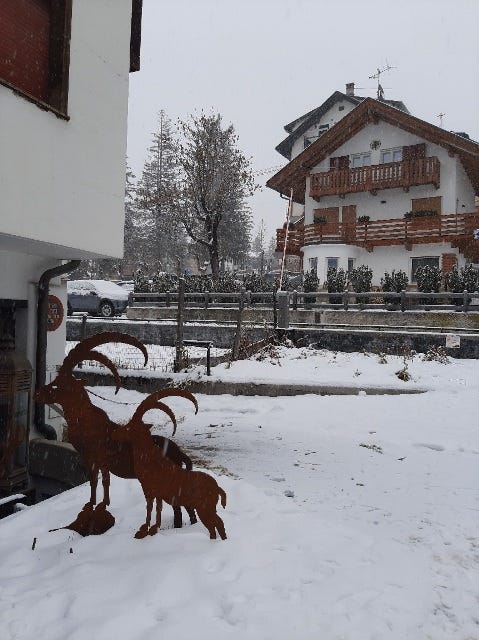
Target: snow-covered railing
(347,300)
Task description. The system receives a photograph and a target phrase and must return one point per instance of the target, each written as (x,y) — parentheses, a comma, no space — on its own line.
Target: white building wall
(380,260)
(62,182)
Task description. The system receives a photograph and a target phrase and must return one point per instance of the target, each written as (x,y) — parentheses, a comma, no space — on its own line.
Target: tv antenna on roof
(377,75)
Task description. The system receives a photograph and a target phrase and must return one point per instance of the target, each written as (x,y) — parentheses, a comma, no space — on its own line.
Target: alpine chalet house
(64,73)
(374,185)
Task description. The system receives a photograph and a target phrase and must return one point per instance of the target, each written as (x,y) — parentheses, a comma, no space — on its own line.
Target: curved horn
(82,350)
(154,400)
(164,407)
(102,359)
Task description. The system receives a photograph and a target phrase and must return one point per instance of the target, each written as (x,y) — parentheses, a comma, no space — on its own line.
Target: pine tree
(213,184)
(162,233)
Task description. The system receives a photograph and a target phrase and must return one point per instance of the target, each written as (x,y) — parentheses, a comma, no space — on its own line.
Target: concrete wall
(62,182)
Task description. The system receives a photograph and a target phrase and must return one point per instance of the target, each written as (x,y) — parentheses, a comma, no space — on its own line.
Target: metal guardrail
(319,300)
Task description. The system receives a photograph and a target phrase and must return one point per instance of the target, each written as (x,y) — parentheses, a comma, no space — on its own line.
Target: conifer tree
(162,234)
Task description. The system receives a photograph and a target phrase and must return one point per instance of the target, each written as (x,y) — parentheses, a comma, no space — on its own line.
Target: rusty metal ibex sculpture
(90,430)
(162,480)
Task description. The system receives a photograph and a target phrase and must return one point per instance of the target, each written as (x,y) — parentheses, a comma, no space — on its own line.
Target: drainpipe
(41,352)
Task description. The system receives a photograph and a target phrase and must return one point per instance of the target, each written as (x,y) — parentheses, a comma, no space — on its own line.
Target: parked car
(127,285)
(97,297)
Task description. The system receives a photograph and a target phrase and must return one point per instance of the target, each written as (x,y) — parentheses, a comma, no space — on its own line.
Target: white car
(97,297)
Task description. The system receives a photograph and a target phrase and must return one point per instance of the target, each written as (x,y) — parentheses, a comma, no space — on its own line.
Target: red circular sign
(55,313)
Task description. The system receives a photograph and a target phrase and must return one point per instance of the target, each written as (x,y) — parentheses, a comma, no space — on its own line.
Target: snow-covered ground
(348,518)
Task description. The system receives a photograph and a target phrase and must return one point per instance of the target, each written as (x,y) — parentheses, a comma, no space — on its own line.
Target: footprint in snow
(434,447)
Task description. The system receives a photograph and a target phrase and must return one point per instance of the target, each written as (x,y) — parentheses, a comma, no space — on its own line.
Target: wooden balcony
(295,241)
(405,174)
(454,228)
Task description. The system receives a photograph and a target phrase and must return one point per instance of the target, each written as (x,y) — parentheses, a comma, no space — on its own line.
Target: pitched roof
(298,127)
(369,110)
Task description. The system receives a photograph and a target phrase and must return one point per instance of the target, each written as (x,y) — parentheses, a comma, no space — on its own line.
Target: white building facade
(359,181)
(64,76)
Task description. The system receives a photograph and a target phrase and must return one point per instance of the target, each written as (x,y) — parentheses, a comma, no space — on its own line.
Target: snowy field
(348,518)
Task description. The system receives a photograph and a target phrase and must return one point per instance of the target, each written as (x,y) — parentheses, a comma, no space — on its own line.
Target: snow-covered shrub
(142,283)
(361,278)
(336,283)
(428,279)
(163,282)
(395,281)
(436,354)
(310,283)
(463,279)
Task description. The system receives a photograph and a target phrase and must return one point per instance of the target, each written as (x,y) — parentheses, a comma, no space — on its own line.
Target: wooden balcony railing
(295,241)
(405,174)
(442,228)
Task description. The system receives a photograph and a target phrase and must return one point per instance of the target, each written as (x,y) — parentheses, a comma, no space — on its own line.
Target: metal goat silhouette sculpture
(129,451)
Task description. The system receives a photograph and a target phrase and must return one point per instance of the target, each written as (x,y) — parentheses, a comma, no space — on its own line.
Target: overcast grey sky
(262,63)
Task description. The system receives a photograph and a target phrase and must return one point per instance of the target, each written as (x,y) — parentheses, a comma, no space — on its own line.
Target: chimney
(350,89)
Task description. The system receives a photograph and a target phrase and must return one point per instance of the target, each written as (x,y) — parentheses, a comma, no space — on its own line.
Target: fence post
(465,300)
(403,300)
(239,322)
(83,333)
(295,300)
(283,309)
(275,309)
(345,300)
(207,297)
(179,360)
(208,359)
(168,299)
(248,299)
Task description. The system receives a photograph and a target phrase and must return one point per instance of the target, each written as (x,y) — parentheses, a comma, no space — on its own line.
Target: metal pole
(288,216)
(179,325)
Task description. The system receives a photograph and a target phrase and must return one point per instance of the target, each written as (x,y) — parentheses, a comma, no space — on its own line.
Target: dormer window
(361,160)
(322,128)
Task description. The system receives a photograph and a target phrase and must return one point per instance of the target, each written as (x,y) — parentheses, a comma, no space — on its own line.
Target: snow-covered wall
(62,182)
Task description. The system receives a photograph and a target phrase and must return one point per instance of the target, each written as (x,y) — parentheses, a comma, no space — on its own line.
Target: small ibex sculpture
(90,430)
(162,480)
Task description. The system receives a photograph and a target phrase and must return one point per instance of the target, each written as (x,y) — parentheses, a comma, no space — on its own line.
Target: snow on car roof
(105,288)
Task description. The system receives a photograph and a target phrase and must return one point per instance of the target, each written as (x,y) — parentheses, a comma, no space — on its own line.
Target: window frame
(392,151)
(328,258)
(58,64)
(361,156)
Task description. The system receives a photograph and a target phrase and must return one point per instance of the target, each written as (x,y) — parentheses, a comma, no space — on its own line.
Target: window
(34,50)
(339,162)
(351,262)
(361,160)
(313,265)
(312,138)
(332,263)
(391,155)
(422,262)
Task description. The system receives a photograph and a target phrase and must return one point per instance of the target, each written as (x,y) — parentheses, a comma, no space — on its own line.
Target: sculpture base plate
(91,522)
